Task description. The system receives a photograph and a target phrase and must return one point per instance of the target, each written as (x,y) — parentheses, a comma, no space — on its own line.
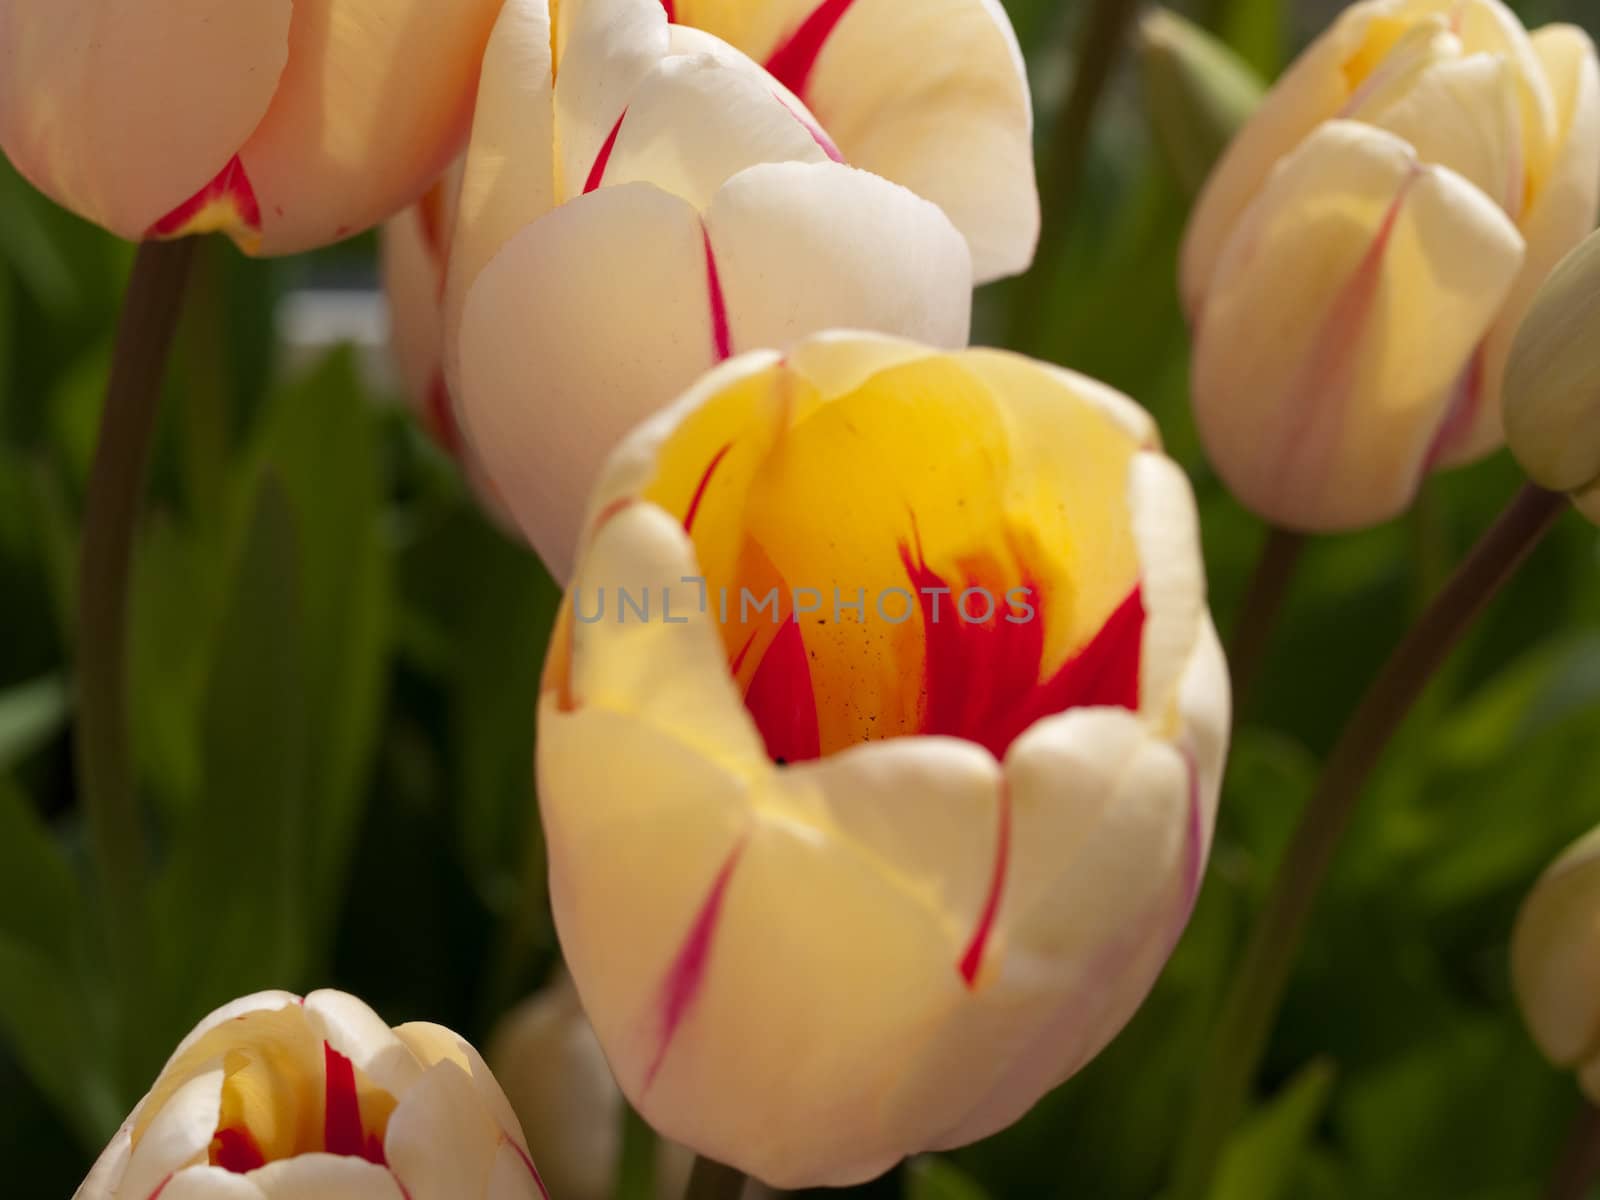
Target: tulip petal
(352,1029)
(178,1133)
(1555,957)
(585,323)
(213,1183)
(1563,210)
(374,103)
(509,178)
(607,49)
(694,122)
(324,1177)
(1166,527)
(440,1143)
(805,247)
(122,112)
(434,1044)
(935,96)
(1347,303)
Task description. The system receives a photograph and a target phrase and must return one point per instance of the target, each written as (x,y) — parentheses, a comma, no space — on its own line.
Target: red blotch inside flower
(792,63)
(343,1132)
(235,1149)
(228,202)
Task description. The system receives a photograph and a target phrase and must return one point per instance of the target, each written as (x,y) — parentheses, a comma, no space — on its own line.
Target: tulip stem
(145,330)
(1099,51)
(1248,1013)
(710,1180)
(1579,1165)
(1258,615)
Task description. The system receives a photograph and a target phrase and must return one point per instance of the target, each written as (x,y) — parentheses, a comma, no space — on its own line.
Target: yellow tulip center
(911,558)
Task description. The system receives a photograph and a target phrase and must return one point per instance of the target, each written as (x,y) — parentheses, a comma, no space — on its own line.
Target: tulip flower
(1555,962)
(286,124)
(633,214)
(879,749)
(1552,387)
(277,1098)
(1361,258)
(933,95)
(545,1054)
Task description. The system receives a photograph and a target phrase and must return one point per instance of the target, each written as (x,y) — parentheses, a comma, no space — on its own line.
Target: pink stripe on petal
(598,171)
(160,1187)
(793,61)
(972,960)
(682,984)
(522,1154)
(721,336)
(818,134)
(700,490)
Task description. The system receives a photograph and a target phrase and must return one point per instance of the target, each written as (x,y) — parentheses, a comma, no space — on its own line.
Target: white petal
(608,47)
(178,1134)
(361,1035)
(325,1177)
(213,1183)
(441,1144)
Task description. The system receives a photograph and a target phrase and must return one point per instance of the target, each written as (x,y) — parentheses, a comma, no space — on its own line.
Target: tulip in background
(1552,393)
(277,1098)
(864,883)
(1555,962)
(547,1058)
(287,124)
(1361,259)
(633,213)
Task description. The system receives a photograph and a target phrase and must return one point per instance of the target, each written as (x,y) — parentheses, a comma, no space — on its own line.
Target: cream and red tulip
(286,124)
(636,211)
(1361,258)
(835,891)
(1555,962)
(274,1097)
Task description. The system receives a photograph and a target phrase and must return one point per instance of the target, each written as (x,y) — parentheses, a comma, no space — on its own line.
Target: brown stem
(1269,586)
(710,1180)
(1579,1165)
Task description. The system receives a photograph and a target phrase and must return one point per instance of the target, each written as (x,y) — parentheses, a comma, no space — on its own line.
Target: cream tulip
(933,95)
(634,213)
(1555,962)
(287,124)
(885,815)
(274,1097)
(1359,262)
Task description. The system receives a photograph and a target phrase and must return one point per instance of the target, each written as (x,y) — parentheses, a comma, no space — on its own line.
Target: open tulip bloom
(841,884)
(274,1097)
(287,124)
(642,201)
(1361,258)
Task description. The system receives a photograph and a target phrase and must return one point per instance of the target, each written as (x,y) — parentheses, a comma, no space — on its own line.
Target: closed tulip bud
(1360,260)
(637,210)
(923,717)
(277,1098)
(1198,91)
(1552,390)
(287,124)
(546,1055)
(1555,962)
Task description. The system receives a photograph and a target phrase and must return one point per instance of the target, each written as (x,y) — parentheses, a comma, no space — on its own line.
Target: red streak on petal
(533,1171)
(672,10)
(818,134)
(687,973)
(744,651)
(973,958)
(236,1150)
(722,340)
(601,160)
(441,417)
(231,186)
(700,490)
(981,679)
(342,1131)
(793,61)
(782,701)
(160,1187)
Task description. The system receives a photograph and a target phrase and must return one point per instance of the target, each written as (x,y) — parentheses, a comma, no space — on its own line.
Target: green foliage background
(335,662)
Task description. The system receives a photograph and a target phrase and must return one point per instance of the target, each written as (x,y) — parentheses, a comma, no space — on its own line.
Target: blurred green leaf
(930,1178)
(234,899)
(30,715)
(1255,29)
(28,246)
(1264,1156)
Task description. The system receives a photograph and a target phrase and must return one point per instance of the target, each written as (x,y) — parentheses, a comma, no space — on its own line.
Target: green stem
(111,511)
(1250,1009)
(712,1181)
(1258,615)
(1579,1165)
(1099,52)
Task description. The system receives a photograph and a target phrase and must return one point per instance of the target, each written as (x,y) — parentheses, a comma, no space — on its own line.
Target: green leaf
(1263,1157)
(30,715)
(233,901)
(930,1178)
